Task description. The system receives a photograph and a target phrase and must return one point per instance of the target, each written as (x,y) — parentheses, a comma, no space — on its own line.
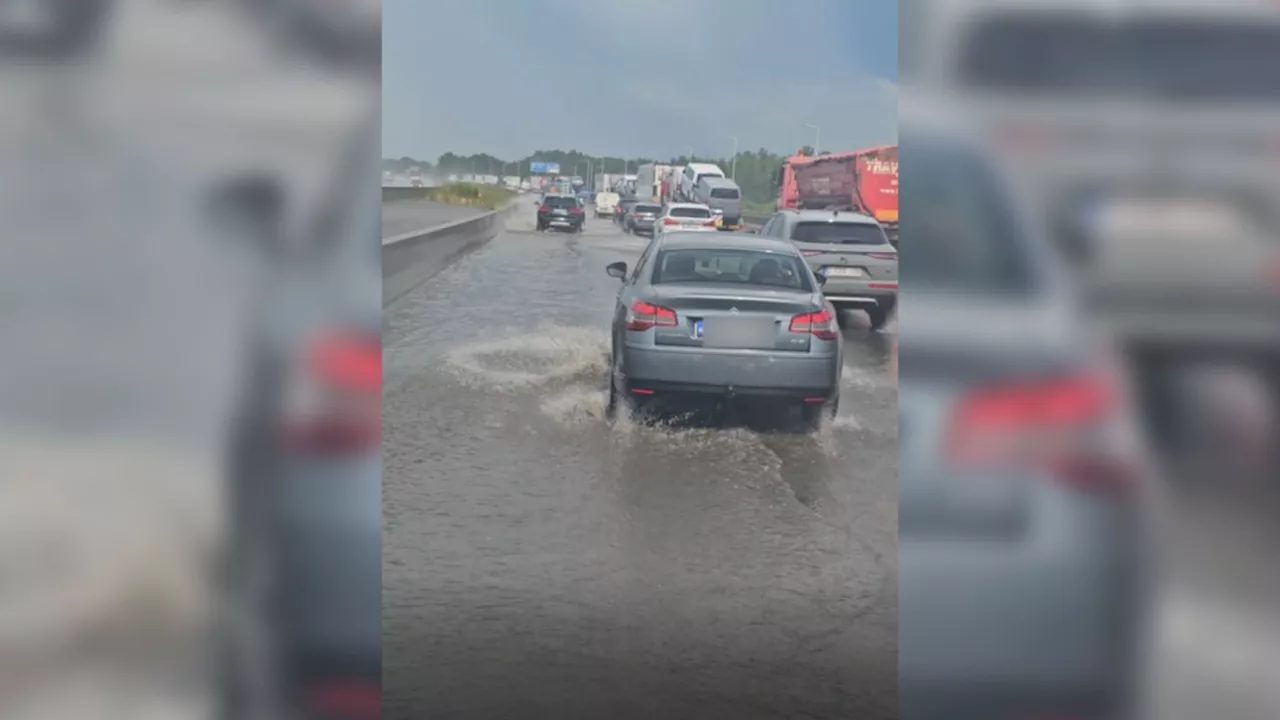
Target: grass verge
(470,194)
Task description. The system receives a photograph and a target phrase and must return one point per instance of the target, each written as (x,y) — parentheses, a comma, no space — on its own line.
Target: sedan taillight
(333,403)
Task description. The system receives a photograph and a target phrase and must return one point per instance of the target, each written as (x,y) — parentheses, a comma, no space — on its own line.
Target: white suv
(685,217)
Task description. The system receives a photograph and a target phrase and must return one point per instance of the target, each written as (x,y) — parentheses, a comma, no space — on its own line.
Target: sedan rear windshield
(655,209)
(724,193)
(733,267)
(688,212)
(561,202)
(836,233)
(1190,60)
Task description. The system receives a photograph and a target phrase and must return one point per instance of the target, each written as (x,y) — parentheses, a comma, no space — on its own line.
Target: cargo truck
(649,181)
(864,181)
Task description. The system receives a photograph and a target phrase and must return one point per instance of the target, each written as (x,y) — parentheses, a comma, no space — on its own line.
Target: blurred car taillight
(821,324)
(810,253)
(334,401)
(670,221)
(577,211)
(883,256)
(346,700)
(1060,425)
(544,209)
(643,316)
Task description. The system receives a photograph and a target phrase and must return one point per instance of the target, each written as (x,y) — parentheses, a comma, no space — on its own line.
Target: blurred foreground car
(1022,554)
(301,620)
(851,251)
(723,319)
(1147,133)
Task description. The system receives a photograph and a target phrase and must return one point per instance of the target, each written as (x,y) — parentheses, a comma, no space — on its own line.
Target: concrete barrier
(411,259)
(396,194)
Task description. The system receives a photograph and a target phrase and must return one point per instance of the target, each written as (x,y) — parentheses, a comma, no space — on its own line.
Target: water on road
(541,562)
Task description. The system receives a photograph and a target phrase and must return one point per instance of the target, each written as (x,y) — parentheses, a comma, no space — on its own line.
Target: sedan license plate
(847,272)
(560,212)
(741,333)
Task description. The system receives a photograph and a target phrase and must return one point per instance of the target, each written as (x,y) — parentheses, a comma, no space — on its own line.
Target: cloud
(634,76)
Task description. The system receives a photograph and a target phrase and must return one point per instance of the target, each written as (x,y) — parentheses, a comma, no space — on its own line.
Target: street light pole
(817,137)
(733,172)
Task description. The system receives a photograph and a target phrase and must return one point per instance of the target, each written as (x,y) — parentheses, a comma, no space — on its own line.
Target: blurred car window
(1185,60)
(963,235)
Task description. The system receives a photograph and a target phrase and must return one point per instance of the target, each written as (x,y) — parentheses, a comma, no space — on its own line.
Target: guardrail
(411,259)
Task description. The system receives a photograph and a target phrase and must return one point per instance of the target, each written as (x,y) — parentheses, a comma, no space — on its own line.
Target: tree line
(755,172)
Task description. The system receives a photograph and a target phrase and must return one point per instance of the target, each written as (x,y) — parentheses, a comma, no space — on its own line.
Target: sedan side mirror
(618,270)
(821,278)
(251,208)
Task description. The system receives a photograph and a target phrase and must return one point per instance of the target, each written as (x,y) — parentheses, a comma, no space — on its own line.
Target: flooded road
(540,562)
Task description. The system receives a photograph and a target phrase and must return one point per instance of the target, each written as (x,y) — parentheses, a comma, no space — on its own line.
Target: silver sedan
(720,318)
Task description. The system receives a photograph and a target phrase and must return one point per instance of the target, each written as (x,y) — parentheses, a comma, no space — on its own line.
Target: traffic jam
(720,312)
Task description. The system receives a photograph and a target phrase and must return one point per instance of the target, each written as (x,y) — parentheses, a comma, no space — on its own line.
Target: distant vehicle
(686,217)
(606,204)
(640,217)
(563,212)
(1022,550)
(865,181)
(723,195)
(300,596)
(851,251)
(624,206)
(648,183)
(685,189)
(697,323)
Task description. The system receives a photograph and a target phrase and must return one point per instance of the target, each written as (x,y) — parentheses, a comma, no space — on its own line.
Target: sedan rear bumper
(731,373)
(859,292)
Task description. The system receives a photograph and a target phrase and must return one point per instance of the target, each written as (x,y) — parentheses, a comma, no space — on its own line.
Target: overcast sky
(636,77)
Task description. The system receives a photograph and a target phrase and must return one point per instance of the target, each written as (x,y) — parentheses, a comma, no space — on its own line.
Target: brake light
(670,221)
(709,223)
(821,324)
(643,316)
(347,700)
(1058,425)
(576,211)
(810,253)
(883,256)
(333,403)
(544,209)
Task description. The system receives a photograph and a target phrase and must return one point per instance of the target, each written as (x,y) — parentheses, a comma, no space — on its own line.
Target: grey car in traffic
(640,218)
(851,251)
(723,319)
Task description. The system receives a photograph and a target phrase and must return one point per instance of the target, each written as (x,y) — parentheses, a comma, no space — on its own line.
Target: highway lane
(405,216)
(541,563)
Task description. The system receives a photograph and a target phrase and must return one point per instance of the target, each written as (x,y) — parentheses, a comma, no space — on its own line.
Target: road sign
(537,168)
(552,168)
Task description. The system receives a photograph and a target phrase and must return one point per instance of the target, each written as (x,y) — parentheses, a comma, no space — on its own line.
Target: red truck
(865,181)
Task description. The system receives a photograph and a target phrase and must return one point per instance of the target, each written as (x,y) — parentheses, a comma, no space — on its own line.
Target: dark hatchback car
(641,217)
(300,631)
(561,212)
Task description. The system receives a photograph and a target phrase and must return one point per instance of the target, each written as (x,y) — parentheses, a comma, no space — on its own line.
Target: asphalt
(406,216)
(540,562)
